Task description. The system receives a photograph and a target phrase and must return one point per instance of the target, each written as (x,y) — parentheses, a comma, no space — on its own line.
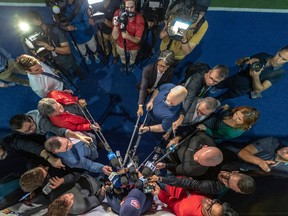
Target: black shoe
(123,67)
(131,68)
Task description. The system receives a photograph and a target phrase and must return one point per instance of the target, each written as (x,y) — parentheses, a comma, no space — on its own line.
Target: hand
(156,190)
(177,123)
(95,127)
(149,106)
(70,28)
(160,165)
(115,21)
(125,35)
(56,162)
(68,91)
(242,60)
(225,107)
(140,111)
(166,135)
(86,139)
(107,170)
(143,129)
(264,165)
(202,127)
(153,178)
(45,45)
(173,141)
(82,102)
(56,182)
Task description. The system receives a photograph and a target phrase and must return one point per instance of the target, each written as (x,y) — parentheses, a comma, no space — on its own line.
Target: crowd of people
(202,159)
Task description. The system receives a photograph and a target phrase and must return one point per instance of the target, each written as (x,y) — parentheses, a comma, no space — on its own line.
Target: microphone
(113,160)
(132,171)
(148,169)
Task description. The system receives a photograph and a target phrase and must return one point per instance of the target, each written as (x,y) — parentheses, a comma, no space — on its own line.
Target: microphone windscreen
(114,162)
(124,180)
(146,172)
(139,184)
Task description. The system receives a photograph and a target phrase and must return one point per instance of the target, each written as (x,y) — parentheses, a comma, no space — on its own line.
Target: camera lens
(256,66)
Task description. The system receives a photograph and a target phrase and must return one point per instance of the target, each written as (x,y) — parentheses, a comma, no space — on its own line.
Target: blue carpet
(231,35)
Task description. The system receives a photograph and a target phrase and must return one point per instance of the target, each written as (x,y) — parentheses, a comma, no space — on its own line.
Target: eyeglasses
(30,128)
(209,207)
(162,66)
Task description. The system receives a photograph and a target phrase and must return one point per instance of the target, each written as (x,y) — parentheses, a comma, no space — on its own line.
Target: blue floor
(112,95)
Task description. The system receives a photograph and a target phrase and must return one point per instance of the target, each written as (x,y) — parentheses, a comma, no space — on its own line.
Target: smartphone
(47,189)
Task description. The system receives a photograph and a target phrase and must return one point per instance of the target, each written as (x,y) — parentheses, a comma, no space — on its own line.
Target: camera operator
(127,31)
(56,43)
(154,14)
(264,70)
(191,36)
(77,23)
(104,33)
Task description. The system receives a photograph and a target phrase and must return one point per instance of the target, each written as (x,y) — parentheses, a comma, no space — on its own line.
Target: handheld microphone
(114,178)
(113,160)
(132,171)
(148,169)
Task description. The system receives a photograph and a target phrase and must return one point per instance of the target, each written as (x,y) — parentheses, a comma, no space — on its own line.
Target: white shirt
(42,84)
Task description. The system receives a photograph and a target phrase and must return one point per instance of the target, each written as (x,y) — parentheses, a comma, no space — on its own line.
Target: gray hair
(211,103)
(167,56)
(45,106)
(223,71)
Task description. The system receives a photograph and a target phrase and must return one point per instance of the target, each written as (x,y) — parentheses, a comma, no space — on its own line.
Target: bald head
(176,95)
(208,156)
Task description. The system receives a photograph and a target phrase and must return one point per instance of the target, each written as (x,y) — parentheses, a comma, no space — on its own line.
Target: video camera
(153,10)
(256,66)
(123,17)
(182,14)
(31,35)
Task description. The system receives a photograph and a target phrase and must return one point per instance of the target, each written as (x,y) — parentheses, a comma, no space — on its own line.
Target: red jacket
(68,120)
(181,201)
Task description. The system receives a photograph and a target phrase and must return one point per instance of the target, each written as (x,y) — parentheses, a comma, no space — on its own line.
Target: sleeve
(197,37)
(193,88)
(25,144)
(62,97)
(165,198)
(204,186)
(83,163)
(140,26)
(144,84)
(46,125)
(71,177)
(83,22)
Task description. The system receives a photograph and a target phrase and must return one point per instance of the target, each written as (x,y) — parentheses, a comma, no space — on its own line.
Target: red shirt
(135,28)
(181,201)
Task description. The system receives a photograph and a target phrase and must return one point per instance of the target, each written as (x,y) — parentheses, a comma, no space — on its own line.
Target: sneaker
(87,59)
(123,67)
(214,90)
(131,68)
(97,60)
